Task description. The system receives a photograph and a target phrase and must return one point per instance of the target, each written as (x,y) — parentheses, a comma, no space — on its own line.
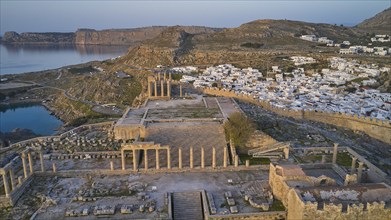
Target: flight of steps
(187,206)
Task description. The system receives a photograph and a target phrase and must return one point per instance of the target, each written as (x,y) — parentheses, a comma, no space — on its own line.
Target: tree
(239,128)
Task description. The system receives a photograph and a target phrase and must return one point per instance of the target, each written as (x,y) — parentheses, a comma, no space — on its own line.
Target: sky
(68,16)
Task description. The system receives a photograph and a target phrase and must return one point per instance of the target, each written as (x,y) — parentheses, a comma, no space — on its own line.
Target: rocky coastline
(96,37)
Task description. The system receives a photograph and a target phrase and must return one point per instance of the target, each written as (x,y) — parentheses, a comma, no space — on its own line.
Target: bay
(29,58)
(28,116)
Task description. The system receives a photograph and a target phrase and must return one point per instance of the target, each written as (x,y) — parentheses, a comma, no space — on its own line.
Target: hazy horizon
(68,16)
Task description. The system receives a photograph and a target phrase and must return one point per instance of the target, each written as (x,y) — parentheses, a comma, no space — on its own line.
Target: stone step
(187,206)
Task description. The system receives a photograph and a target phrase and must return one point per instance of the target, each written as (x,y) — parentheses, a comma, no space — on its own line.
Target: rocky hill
(38,38)
(379,24)
(95,37)
(256,39)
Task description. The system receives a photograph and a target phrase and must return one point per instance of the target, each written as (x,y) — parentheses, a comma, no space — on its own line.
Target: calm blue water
(30,116)
(29,58)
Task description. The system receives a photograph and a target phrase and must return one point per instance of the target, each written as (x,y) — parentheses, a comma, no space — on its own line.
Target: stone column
(157,159)
(24,164)
(54,167)
(20,180)
(168,158)
(359,171)
(191,158)
(286,153)
(42,161)
(353,167)
(155,83)
(12,178)
(111,165)
(247,163)
(6,186)
(225,157)
(30,163)
(162,88)
(335,152)
(146,159)
(236,160)
(134,160)
(180,90)
(169,76)
(165,76)
(323,159)
(180,158)
(202,157)
(168,89)
(149,89)
(158,77)
(213,157)
(123,159)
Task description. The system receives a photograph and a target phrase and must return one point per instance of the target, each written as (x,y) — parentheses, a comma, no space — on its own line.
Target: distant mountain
(97,37)
(378,24)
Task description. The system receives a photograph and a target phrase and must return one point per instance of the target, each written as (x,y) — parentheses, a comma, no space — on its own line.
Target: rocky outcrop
(96,37)
(116,36)
(38,38)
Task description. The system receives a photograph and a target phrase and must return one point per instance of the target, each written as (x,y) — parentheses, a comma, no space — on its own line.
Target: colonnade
(353,166)
(164,82)
(8,173)
(135,149)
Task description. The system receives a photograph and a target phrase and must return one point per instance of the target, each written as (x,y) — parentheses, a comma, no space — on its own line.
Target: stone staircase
(187,206)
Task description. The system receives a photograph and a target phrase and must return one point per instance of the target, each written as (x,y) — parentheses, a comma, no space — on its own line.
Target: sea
(16,59)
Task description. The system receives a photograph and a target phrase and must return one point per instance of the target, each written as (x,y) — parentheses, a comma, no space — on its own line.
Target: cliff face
(116,36)
(38,38)
(94,37)
(130,36)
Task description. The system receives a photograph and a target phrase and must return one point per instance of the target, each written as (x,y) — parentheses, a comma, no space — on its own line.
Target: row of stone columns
(180,162)
(353,166)
(162,94)
(134,155)
(8,170)
(359,169)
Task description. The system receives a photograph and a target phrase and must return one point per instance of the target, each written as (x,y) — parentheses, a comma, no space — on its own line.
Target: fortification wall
(373,210)
(378,129)
(299,209)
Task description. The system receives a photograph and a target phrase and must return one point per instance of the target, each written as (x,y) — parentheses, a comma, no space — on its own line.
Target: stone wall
(378,129)
(297,208)
(279,188)
(310,210)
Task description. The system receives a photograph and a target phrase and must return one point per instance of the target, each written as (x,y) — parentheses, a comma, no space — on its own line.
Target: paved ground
(185,135)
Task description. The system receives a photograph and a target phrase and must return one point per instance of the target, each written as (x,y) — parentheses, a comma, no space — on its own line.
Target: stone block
(126,209)
(231,201)
(233,209)
(104,210)
(141,208)
(228,194)
(85,212)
